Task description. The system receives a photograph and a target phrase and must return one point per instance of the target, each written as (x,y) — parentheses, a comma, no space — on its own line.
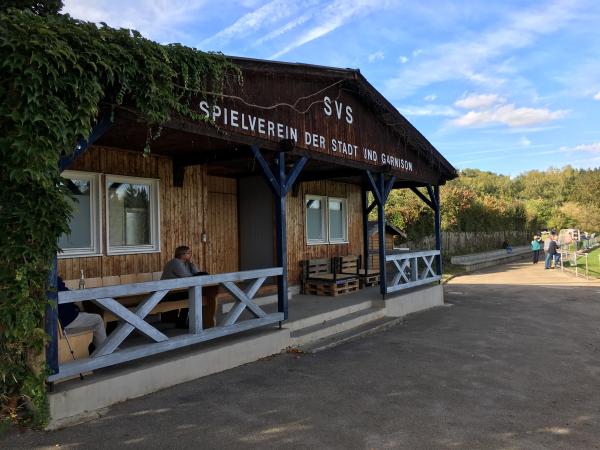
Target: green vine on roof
(59,75)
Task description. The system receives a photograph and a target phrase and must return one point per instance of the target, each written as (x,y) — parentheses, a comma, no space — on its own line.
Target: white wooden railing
(105,297)
(412,269)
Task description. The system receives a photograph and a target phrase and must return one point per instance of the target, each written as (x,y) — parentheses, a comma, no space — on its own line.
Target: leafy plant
(58,76)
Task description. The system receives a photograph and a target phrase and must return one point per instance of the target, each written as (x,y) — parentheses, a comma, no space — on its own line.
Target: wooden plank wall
(222,226)
(374,248)
(185,212)
(297,247)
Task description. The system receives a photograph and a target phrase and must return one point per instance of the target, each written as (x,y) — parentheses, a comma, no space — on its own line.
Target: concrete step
(337,325)
(319,319)
(367,329)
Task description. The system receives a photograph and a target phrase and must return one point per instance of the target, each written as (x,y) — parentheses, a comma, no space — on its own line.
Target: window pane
(129,214)
(337,221)
(314,219)
(81,222)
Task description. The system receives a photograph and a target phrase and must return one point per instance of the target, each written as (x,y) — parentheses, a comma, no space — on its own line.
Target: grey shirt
(178,268)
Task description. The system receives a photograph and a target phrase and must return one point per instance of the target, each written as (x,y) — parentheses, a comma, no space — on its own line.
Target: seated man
(70,318)
(182,267)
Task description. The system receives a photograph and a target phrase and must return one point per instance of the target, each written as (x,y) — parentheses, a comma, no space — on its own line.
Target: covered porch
(245,176)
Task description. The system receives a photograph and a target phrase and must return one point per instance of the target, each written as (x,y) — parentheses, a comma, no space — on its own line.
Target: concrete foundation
(77,401)
(418,299)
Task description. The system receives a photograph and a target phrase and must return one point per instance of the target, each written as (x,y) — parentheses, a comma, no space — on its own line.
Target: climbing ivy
(58,76)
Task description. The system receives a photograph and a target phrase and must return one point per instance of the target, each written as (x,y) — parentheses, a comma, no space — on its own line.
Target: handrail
(148,286)
(420,254)
(131,320)
(408,273)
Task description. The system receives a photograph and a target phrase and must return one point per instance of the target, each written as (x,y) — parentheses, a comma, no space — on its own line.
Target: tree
(41,8)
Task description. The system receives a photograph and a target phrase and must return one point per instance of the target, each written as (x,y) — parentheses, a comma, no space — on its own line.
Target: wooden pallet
(369,280)
(332,289)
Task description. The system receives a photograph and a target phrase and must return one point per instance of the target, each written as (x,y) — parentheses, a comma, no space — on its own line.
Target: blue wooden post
(381,230)
(280,184)
(280,218)
(381,190)
(438,227)
(365,217)
(51,319)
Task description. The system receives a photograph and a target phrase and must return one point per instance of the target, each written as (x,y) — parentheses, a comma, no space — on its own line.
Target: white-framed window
(337,219)
(132,215)
(326,219)
(84,238)
(316,230)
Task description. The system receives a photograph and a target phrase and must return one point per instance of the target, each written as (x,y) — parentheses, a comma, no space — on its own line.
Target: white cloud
(417,52)
(157,19)
(329,19)
(377,56)
(479,101)
(587,148)
(508,115)
(267,15)
(430,97)
(403,59)
(597,96)
(473,58)
(428,110)
(524,142)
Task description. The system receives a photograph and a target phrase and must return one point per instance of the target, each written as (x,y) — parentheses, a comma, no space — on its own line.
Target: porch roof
(273,92)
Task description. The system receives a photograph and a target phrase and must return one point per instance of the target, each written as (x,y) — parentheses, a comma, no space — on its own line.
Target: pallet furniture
(320,277)
(351,265)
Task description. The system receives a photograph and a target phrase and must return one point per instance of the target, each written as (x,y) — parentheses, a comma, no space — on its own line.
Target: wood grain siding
(203,204)
(222,225)
(374,248)
(297,247)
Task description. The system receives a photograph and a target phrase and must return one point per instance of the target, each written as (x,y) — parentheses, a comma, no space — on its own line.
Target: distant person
(557,252)
(535,248)
(506,246)
(71,319)
(550,246)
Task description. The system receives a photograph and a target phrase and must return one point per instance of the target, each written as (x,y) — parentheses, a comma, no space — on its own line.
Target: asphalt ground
(512,362)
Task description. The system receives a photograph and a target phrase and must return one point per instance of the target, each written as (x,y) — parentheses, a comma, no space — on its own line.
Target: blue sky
(502,86)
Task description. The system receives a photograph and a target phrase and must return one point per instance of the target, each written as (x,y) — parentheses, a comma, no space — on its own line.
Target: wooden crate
(369,280)
(331,288)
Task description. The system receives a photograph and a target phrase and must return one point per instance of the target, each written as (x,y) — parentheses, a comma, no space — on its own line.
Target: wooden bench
(350,265)
(480,260)
(321,278)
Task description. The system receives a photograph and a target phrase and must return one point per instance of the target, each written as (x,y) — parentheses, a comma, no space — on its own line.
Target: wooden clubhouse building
(279,174)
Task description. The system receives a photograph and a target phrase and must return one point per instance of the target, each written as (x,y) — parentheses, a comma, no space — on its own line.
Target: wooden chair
(351,264)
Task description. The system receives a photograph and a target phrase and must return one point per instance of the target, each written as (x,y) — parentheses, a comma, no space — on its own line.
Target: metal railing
(412,269)
(131,320)
(572,258)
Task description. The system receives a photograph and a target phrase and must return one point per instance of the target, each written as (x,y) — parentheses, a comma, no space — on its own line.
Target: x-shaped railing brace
(243,301)
(131,320)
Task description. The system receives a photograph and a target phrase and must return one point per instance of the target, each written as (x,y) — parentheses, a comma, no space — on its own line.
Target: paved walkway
(514,363)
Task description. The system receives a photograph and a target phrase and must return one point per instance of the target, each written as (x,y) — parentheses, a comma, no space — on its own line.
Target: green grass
(451,270)
(593,263)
